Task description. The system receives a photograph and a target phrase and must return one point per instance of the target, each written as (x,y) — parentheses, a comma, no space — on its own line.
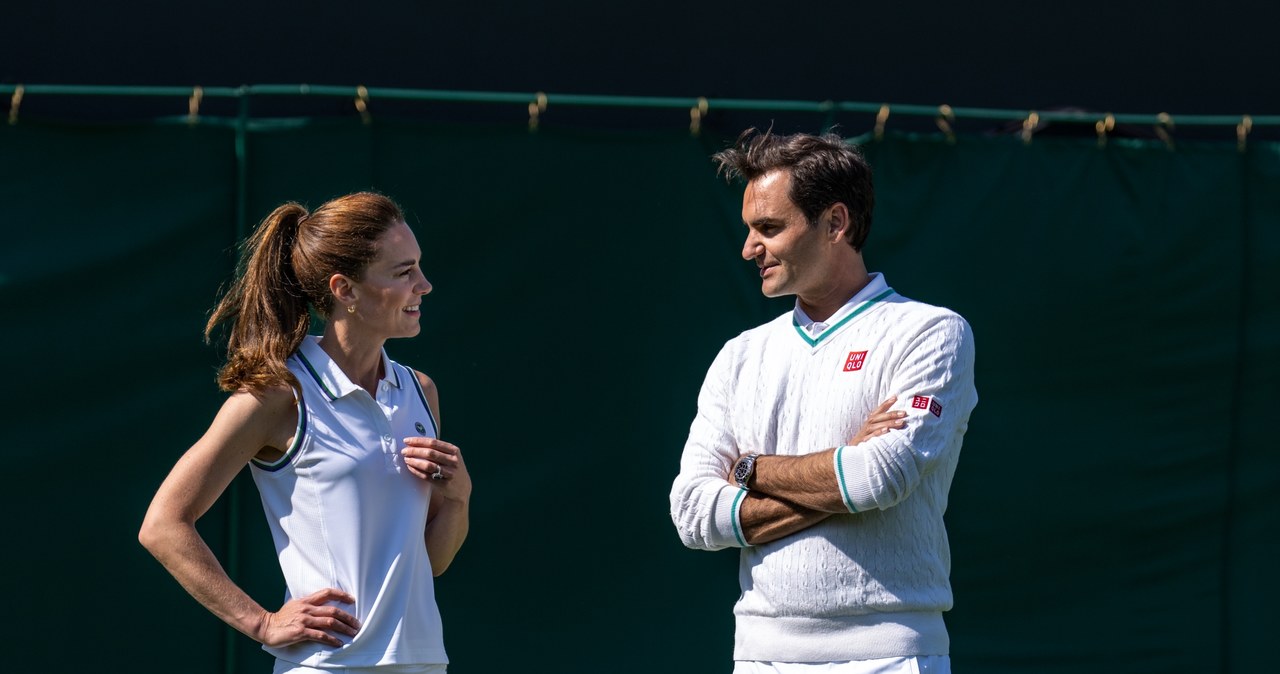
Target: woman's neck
(360,359)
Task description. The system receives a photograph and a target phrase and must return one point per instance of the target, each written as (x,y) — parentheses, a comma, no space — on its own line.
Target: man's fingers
(887,418)
(884,406)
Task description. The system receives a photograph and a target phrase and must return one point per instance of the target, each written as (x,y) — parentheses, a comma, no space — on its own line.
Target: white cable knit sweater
(872,583)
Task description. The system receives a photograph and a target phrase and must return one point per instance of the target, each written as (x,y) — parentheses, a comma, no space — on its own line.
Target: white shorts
(283,667)
(925,664)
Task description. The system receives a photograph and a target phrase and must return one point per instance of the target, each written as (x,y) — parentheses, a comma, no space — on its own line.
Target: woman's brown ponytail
(287,263)
(267,308)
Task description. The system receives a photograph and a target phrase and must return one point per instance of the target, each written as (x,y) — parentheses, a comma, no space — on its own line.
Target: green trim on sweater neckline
(831,329)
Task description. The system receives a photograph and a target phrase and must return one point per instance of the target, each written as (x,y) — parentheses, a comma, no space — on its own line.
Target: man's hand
(792,493)
(880,422)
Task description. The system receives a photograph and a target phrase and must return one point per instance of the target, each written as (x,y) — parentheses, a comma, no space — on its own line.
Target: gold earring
(351,308)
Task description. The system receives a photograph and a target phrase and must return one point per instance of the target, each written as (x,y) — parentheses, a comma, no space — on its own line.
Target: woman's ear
(343,289)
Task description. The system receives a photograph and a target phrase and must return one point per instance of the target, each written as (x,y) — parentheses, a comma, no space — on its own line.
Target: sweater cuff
(851,466)
(728,515)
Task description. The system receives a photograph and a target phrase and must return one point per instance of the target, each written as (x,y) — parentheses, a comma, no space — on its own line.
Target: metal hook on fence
(1103,127)
(536,107)
(362,104)
(696,113)
(15,103)
(1029,126)
(1164,122)
(881,118)
(945,118)
(193,105)
(1242,131)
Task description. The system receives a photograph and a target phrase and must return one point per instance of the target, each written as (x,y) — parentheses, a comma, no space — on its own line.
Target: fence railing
(538,102)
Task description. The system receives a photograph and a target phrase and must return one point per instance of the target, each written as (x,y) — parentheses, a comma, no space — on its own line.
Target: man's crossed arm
(792,493)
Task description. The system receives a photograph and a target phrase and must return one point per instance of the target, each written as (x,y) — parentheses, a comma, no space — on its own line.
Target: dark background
(1124,302)
(1139,57)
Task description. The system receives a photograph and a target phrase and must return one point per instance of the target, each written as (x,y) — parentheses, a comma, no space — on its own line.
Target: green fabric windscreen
(1114,506)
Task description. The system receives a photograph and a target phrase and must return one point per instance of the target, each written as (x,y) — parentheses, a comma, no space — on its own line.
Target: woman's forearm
(445,533)
(179,547)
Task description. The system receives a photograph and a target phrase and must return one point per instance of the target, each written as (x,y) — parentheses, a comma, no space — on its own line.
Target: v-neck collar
(875,291)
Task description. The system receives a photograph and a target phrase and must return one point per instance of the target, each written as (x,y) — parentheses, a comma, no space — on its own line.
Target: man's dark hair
(824,170)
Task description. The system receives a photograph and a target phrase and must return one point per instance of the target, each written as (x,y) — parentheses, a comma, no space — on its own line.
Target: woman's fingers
(431,459)
(311,618)
(431,443)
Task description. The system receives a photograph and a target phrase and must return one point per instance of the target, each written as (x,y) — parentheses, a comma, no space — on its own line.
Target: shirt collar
(874,287)
(331,378)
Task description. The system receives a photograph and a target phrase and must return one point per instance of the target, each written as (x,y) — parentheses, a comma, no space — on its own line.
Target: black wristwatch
(744,468)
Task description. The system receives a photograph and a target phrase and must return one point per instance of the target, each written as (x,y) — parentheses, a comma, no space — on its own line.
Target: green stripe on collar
(831,329)
(315,375)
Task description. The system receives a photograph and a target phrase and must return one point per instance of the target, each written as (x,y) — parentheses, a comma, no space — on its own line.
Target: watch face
(743,470)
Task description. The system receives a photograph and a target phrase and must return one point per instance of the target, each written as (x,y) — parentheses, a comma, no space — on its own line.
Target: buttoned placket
(385,411)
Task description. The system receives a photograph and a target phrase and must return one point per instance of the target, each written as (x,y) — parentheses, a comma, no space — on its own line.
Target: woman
(365,503)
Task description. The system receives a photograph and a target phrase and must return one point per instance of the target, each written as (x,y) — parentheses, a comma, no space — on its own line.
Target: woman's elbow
(160,530)
(150,534)
(439,566)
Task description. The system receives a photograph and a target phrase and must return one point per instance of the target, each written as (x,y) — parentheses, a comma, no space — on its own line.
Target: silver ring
(438,475)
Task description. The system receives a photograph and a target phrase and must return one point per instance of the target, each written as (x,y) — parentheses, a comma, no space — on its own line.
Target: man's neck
(821,305)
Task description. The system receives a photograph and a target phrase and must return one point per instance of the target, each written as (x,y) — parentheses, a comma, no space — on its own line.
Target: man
(844,557)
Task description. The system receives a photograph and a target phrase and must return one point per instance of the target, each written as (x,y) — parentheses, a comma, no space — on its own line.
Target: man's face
(792,255)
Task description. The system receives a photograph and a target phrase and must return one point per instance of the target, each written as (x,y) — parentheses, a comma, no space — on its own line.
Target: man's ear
(838,223)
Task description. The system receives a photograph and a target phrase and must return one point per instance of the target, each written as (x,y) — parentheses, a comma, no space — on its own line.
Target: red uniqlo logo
(856,358)
(927,403)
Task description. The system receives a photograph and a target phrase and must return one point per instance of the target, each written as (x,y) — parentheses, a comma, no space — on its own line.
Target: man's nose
(751,247)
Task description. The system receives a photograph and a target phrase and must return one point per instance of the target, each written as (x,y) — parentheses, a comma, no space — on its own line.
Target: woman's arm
(447,516)
(247,424)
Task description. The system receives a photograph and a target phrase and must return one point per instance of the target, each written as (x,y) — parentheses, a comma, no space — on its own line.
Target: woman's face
(388,296)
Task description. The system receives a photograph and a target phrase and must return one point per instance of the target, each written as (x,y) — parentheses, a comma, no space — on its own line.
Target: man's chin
(771,292)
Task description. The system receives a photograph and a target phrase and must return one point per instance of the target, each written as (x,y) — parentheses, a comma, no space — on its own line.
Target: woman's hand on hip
(309,618)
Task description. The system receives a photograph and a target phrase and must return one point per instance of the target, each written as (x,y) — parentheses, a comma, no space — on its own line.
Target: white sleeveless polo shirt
(345,513)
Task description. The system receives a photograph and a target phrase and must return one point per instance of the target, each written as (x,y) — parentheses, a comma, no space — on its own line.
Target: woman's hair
(286,266)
